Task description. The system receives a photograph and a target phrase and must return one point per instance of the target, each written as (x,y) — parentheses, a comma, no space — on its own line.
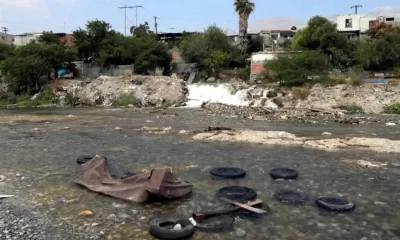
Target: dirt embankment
(148,90)
(371,97)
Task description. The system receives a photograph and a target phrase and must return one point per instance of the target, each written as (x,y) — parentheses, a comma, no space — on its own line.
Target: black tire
(250,215)
(162,228)
(84,158)
(283,173)
(290,196)
(228,172)
(237,193)
(216,224)
(335,204)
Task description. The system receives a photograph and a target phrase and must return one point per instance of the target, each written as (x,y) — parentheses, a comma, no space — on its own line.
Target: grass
(300,92)
(25,100)
(392,108)
(71,100)
(354,108)
(126,99)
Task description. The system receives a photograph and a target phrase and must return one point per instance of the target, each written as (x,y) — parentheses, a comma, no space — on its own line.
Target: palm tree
(244,8)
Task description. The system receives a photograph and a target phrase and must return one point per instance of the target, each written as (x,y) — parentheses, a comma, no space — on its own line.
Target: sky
(21,16)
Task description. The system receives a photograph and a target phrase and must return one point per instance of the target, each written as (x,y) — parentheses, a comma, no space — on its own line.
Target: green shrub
(126,99)
(354,108)
(71,100)
(300,92)
(392,108)
(298,69)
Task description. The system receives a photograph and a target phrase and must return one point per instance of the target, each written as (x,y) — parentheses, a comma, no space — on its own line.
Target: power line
(156,24)
(356,8)
(136,7)
(5,29)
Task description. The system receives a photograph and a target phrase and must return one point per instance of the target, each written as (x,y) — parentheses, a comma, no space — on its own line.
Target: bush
(126,99)
(392,108)
(354,108)
(70,100)
(300,92)
(298,69)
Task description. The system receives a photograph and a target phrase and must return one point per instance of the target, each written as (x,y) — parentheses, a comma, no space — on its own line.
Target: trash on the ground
(201,216)
(237,193)
(213,129)
(6,196)
(334,204)
(244,206)
(159,182)
(86,213)
(2,178)
(216,224)
(228,172)
(326,134)
(290,196)
(170,228)
(390,124)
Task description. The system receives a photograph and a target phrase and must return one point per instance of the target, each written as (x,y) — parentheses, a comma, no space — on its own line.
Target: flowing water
(46,158)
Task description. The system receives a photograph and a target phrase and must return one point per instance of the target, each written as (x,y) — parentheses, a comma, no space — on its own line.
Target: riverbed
(39,147)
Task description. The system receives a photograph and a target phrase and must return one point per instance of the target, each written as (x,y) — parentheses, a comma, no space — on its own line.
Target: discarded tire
(283,173)
(163,228)
(216,224)
(290,196)
(250,215)
(228,172)
(237,193)
(335,204)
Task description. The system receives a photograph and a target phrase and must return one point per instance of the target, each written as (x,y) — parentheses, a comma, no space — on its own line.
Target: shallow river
(42,146)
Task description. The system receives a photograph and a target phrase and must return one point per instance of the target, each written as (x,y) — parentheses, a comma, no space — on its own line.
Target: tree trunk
(243,25)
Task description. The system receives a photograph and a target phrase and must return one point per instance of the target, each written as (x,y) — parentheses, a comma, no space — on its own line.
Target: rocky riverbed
(39,147)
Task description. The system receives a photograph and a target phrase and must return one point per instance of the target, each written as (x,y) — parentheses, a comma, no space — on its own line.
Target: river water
(42,145)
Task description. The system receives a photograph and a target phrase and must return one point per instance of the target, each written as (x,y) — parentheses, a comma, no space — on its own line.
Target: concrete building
(6,38)
(23,39)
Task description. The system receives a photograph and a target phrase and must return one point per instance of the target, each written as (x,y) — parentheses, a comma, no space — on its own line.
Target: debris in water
(118,129)
(6,196)
(389,124)
(212,129)
(86,213)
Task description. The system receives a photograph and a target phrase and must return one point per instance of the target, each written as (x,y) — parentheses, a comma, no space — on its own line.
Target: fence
(85,70)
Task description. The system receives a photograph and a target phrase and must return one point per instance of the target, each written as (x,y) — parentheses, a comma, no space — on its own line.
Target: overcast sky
(22,16)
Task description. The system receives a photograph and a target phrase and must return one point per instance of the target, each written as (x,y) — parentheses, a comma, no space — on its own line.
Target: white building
(6,38)
(26,38)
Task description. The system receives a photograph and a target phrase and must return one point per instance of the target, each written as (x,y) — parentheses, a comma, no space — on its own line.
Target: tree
(34,61)
(143,30)
(298,69)
(244,8)
(49,38)
(5,50)
(215,60)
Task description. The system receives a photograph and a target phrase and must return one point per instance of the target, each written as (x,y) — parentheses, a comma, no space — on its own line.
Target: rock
(18,175)
(178,227)
(36,129)
(123,216)
(118,129)
(211,80)
(240,232)
(66,127)
(284,117)
(95,224)
(130,105)
(86,213)
(390,124)
(327,134)
(278,101)
(2,178)
(36,96)
(183,132)
(272,94)
(134,212)
(149,121)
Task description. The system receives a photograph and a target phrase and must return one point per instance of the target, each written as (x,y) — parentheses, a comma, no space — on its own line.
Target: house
(6,38)
(357,25)
(23,39)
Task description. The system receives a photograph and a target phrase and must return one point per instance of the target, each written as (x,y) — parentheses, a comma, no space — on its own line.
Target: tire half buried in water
(216,224)
(334,204)
(290,196)
(228,172)
(283,173)
(237,193)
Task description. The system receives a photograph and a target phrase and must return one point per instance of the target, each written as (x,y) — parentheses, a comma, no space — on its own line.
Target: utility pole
(171,28)
(155,23)
(136,7)
(356,7)
(5,29)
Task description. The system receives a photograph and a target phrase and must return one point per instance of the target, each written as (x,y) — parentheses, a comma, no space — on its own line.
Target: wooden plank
(244,206)
(225,211)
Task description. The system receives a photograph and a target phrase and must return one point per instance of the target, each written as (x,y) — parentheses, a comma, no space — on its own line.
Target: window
(391,19)
(349,23)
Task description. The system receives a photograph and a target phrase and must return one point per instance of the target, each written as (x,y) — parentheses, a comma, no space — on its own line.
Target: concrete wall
(84,70)
(355,22)
(6,38)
